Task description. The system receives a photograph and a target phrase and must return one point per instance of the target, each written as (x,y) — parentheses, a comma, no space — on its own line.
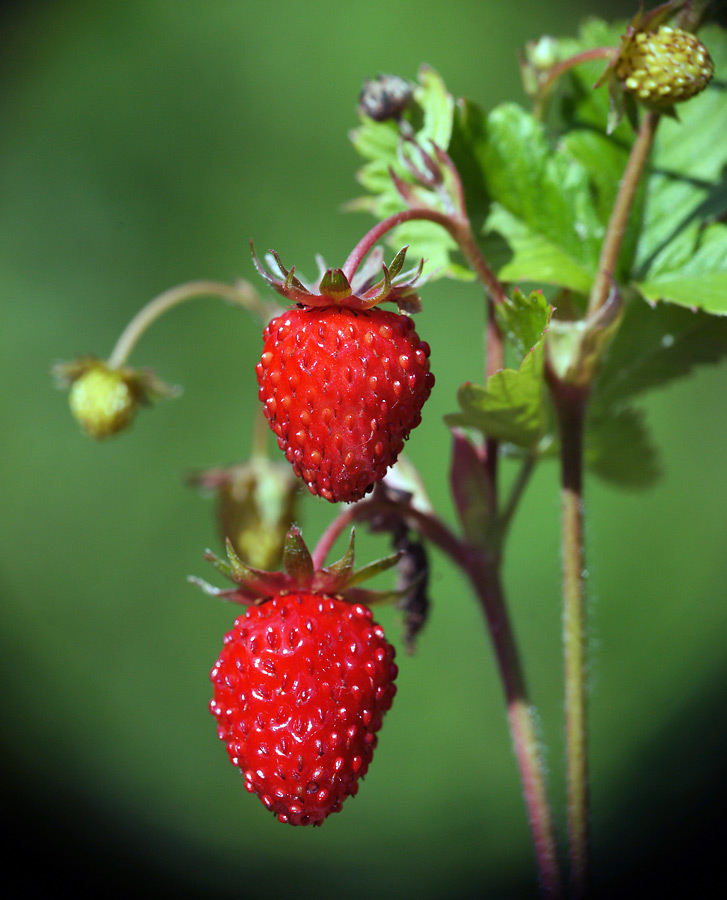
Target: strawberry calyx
(375,283)
(340,579)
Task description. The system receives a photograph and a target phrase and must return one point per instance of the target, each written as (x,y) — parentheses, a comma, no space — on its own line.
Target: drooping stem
(456,226)
(429,526)
(559,69)
(570,406)
(483,573)
(240,293)
(621,211)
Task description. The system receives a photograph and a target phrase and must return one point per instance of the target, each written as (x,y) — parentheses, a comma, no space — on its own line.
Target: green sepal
(335,285)
(334,578)
(340,578)
(297,560)
(381,290)
(397,263)
(253,584)
(375,598)
(373,568)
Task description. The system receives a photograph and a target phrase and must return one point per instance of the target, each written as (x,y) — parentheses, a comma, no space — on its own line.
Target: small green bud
(103,401)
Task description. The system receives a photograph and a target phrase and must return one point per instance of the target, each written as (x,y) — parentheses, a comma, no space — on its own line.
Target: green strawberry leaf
(524,320)
(510,407)
(655,345)
(542,203)
(618,448)
(577,117)
(667,254)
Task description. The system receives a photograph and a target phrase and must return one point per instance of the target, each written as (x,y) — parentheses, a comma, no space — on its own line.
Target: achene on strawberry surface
(342,381)
(302,682)
(300,689)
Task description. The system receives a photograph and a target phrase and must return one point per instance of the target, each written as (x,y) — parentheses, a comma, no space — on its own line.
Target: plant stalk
(485,578)
(570,406)
(483,573)
(241,294)
(457,227)
(608,261)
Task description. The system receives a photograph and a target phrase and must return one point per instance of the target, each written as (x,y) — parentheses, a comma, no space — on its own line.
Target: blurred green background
(142,144)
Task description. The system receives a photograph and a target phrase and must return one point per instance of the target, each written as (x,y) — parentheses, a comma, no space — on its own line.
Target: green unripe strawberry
(664,66)
(104,398)
(103,401)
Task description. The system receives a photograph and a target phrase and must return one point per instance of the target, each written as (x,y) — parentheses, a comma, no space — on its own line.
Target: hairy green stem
(570,406)
(240,293)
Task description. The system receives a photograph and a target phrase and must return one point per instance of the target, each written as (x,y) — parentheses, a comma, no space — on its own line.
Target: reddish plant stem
(559,69)
(621,211)
(485,578)
(458,228)
(241,294)
(483,573)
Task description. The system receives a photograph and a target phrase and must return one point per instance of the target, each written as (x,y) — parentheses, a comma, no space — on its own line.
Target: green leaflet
(509,408)
(618,448)
(542,203)
(524,320)
(655,345)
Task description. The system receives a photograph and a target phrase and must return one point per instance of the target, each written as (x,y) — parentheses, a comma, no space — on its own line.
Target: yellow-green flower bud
(103,401)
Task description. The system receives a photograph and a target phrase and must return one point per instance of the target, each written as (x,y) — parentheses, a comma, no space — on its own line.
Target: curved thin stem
(559,69)
(458,228)
(429,526)
(518,488)
(240,293)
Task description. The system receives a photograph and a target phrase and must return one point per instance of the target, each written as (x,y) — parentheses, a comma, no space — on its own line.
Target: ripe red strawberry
(343,383)
(300,689)
(303,681)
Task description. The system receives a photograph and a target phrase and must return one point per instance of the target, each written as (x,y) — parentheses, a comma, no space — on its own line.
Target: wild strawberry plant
(594,223)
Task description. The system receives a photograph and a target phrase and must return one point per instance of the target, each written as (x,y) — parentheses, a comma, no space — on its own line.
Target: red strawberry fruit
(342,381)
(302,683)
